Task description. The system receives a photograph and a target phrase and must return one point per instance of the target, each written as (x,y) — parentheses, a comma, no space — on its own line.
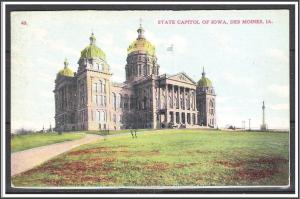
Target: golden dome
(141,43)
(66,71)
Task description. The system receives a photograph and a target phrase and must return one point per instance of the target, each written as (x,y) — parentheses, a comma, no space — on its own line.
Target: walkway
(25,160)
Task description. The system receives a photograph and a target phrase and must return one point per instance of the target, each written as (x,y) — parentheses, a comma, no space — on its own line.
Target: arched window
(211,107)
(126,101)
(114,101)
(120,101)
(98,116)
(132,102)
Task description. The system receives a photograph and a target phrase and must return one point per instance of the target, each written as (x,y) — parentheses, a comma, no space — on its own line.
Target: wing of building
(89,100)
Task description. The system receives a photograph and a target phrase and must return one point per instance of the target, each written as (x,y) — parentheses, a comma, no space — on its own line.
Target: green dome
(204,82)
(92,51)
(66,71)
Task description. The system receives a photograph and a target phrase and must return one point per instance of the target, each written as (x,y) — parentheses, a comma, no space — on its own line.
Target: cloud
(130,35)
(118,71)
(279,90)
(277,55)
(224,42)
(280,107)
(237,79)
(222,99)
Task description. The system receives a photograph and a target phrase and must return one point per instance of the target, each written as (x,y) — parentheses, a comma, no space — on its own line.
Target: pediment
(182,77)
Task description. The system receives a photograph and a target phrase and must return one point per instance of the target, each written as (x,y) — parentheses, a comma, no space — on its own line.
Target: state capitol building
(89,100)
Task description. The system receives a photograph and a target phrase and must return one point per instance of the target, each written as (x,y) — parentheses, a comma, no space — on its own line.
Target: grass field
(23,142)
(169,158)
(115,132)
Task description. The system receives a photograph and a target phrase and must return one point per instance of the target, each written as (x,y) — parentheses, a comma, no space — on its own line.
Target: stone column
(178,97)
(167,119)
(167,96)
(195,99)
(184,99)
(196,118)
(172,96)
(190,99)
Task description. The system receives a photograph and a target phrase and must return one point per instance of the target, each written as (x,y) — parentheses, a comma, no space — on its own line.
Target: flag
(170,48)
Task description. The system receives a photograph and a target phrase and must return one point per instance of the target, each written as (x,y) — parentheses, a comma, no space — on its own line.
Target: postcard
(147,100)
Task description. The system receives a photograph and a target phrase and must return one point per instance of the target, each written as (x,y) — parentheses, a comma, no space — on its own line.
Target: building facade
(89,100)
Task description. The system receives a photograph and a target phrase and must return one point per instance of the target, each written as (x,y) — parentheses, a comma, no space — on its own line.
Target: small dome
(204,81)
(141,44)
(66,71)
(92,51)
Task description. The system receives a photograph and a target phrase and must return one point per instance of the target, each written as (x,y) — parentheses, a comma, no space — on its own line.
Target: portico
(177,101)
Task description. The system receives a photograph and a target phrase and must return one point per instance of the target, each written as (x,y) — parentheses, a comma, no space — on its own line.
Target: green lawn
(114,132)
(171,158)
(23,142)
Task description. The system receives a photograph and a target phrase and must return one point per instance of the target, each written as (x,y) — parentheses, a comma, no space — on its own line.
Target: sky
(247,63)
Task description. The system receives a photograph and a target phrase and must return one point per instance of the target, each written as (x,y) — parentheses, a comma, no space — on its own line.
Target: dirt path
(24,160)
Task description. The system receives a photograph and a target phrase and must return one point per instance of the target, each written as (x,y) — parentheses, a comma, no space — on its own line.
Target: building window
(100,100)
(95,87)
(145,69)
(98,116)
(104,87)
(120,101)
(132,102)
(104,101)
(139,69)
(114,101)
(126,101)
(100,86)
(114,118)
(95,99)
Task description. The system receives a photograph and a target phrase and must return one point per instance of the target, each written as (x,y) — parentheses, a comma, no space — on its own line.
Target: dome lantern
(66,63)
(92,39)
(141,31)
